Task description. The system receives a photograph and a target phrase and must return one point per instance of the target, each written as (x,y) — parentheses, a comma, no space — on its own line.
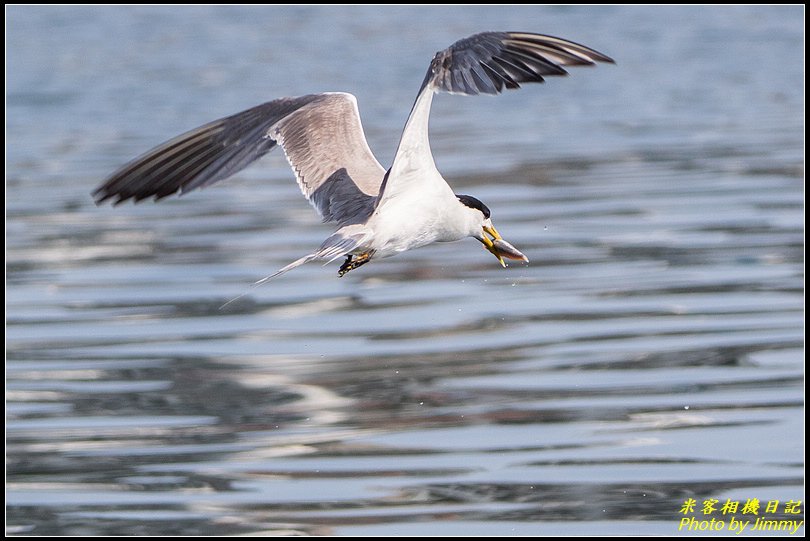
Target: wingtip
(102,198)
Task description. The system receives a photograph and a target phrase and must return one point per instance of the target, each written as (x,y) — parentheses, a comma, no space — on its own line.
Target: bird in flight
(379,212)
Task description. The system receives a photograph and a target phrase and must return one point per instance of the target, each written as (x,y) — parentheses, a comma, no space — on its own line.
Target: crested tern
(379,212)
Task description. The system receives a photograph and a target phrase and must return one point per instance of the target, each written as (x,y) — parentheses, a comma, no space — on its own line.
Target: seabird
(379,212)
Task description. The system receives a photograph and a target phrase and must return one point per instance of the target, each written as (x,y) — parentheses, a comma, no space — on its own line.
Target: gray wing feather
(488,62)
(322,138)
(327,149)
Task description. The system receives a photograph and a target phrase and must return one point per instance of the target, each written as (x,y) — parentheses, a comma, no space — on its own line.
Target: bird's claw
(352,262)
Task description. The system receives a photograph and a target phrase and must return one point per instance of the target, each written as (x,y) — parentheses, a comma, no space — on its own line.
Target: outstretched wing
(485,63)
(321,135)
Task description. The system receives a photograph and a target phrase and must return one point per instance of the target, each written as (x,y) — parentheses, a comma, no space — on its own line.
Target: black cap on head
(474,203)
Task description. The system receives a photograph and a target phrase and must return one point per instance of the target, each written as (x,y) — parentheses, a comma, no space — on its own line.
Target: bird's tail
(338,245)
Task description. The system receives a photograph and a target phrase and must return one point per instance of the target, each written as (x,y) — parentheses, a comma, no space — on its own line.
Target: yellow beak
(489,245)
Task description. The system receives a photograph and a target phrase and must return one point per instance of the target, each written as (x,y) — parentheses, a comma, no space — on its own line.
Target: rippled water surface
(652,351)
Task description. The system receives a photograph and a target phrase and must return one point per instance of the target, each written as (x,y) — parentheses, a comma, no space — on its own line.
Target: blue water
(651,352)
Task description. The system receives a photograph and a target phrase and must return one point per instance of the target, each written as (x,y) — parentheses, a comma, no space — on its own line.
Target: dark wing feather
(488,62)
(201,156)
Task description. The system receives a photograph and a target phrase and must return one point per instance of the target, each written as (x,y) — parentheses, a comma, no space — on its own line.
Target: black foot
(352,262)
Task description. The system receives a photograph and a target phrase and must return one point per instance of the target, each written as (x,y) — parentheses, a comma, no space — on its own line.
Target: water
(651,352)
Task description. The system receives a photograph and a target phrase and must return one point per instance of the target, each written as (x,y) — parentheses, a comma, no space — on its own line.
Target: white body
(417,206)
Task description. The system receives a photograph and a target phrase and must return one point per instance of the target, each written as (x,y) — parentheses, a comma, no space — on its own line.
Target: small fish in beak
(499,247)
(503,249)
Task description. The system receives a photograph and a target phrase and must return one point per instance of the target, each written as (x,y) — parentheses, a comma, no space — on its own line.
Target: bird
(379,212)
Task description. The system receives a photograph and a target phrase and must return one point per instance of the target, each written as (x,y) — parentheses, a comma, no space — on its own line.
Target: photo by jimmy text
(741,516)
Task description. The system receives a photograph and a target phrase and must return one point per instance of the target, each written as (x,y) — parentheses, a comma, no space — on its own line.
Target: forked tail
(341,243)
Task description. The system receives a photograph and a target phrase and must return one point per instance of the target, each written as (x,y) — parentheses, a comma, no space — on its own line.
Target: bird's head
(485,232)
